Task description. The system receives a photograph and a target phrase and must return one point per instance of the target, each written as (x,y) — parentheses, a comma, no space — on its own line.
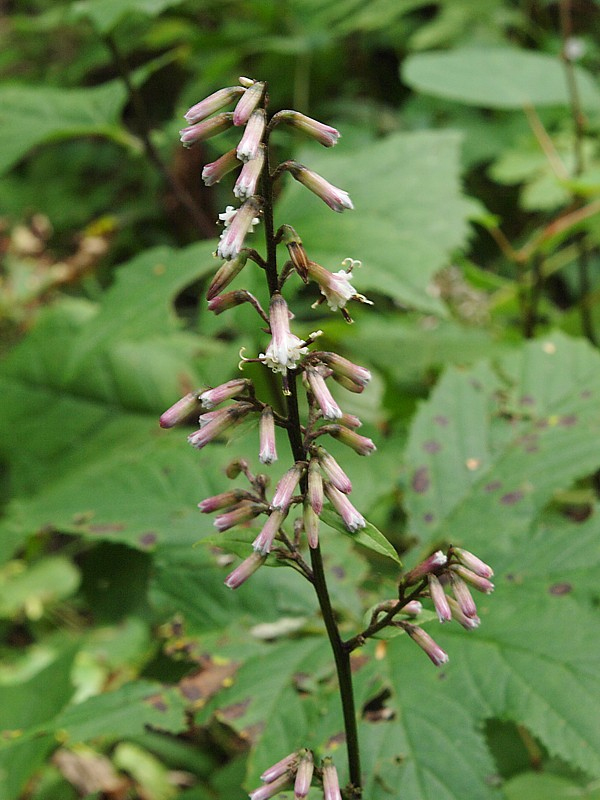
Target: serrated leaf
(33,115)
(504,78)
(410,214)
(368,536)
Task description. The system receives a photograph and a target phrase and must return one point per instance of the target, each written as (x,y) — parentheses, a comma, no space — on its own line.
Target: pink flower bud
(222,421)
(216,170)
(476,581)
(426,643)
(331,784)
(315,486)
(360,444)
(323,396)
(248,102)
(226,391)
(271,789)
(226,273)
(473,563)
(440,601)
(310,521)
(431,564)
(336,199)
(212,103)
(324,134)
(247,182)
(304,774)
(243,512)
(245,570)
(350,421)
(250,143)
(206,129)
(335,286)
(353,520)
(287,486)
(181,410)
(263,542)
(342,367)
(268,451)
(413,608)
(463,596)
(223,500)
(223,302)
(283,767)
(333,472)
(232,238)
(469,623)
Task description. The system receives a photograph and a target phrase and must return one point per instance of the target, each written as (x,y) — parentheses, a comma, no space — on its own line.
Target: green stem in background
(204,224)
(294,430)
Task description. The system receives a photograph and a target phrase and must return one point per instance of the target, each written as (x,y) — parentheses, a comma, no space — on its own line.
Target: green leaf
(33,115)
(368,536)
(540,786)
(29,588)
(105,14)
(492,445)
(504,78)
(410,213)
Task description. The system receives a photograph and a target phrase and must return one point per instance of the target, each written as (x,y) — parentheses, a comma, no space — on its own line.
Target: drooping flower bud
(350,420)
(232,238)
(353,520)
(247,182)
(248,102)
(283,767)
(360,444)
(268,451)
(342,367)
(216,170)
(476,581)
(263,542)
(245,570)
(336,199)
(226,391)
(221,421)
(310,521)
(413,608)
(431,564)
(473,563)
(304,774)
(243,512)
(469,623)
(426,643)
(315,486)
(223,302)
(214,102)
(224,500)
(331,783)
(440,601)
(205,129)
(225,274)
(324,134)
(333,472)
(269,790)
(251,141)
(181,411)
(323,396)
(463,596)
(287,486)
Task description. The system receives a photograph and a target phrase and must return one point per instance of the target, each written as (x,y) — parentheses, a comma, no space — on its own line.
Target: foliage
(475,175)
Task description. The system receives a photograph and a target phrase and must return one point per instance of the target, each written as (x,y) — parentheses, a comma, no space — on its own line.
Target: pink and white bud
(473,563)
(333,472)
(323,396)
(331,783)
(269,790)
(225,274)
(336,199)
(268,451)
(250,143)
(469,623)
(474,580)
(245,570)
(220,421)
(248,102)
(413,608)
(350,421)
(223,302)
(285,349)
(243,512)
(335,286)
(232,238)
(216,170)
(463,596)
(427,644)
(432,564)
(246,82)
(214,102)
(263,542)
(360,444)
(324,134)
(342,367)
(284,767)
(353,520)
(181,411)
(440,601)
(287,486)
(315,486)
(223,500)
(205,129)
(304,774)
(247,182)
(226,391)
(310,521)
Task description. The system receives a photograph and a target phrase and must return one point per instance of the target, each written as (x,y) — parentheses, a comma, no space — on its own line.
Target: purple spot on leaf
(586,394)
(542,423)
(511,498)
(420,481)
(428,517)
(527,400)
(493,486)
(432,446)
(559,589)
(148,539)
(441,421)
(108,528)
(568,420)
(476,385)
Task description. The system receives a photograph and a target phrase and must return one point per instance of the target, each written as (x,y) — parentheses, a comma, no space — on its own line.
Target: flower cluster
(296,771)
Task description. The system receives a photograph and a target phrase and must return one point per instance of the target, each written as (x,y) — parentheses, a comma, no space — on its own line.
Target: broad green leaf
(30,588)
(105,14)
(544,786)
(33,115)
(503,78)
(409,213)
(492,445)
(368,536)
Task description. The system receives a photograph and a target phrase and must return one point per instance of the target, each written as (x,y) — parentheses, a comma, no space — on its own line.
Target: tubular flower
(268,451)
(263,542)
(243,512)
(181,410)
(212,103)
(248,179)
(205,129)
(426,643)
(310,521)
(333,472)
(223,500)
(285,349)
(226,274)
(237,226)
(213,172)
(324,134)
(250,142)
(335,286)
(304,774)
(440,601)
(360,444)
(473,563)
(287,486)
(353,520)
(336,199)
(226,391)
(221,421)
(315,486)
(343,368)
(331,784)
(323,396)
(283,767)
(245,570)
(431,564)
(248,102)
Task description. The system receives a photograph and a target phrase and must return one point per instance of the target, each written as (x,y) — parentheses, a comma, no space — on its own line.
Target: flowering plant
(290,515)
